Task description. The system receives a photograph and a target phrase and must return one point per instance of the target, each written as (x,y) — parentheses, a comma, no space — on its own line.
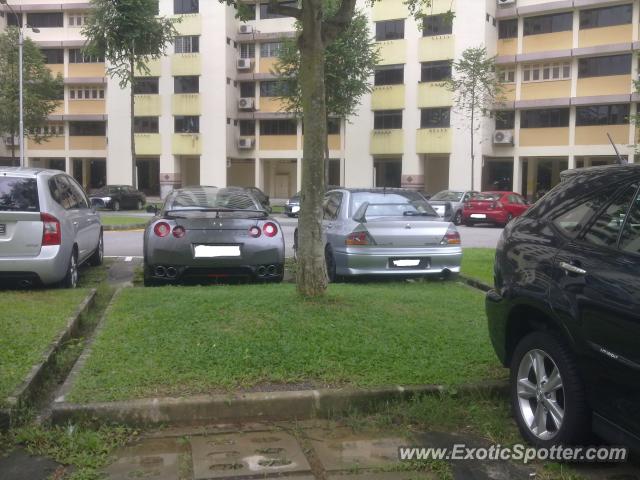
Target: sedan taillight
(270,229)
(51,233)
(255,232)
(162,229)
(358,239)
(452,237)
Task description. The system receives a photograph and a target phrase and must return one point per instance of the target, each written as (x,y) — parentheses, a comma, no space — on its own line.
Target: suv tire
(70,280)
(97,257)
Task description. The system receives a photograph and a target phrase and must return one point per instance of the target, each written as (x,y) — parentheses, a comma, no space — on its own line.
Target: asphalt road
(129,243)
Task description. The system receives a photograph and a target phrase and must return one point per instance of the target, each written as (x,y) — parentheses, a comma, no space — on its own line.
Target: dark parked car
(117,197)
(292,206)
(565,312)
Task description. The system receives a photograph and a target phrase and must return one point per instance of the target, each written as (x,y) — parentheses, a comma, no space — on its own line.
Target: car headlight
(106,199)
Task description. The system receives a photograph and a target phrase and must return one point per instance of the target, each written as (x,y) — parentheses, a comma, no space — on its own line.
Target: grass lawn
(122,220)
(478,263)
(185,340)
(277,209)
(29,322)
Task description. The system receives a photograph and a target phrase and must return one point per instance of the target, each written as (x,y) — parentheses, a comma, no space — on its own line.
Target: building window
(270,49)
(435,118)
(51,129)
(433,25)
(602,115)
(247,50)
(247,127)
(146,86)
(505,120)
(436,71)
(604,66)
(387,119)
(606,16)
(333,126)
(559,22)
(185,6)
(77,19)
(273,88)
(506,74)
(86,93)
(78,56)
(542,72)
(12,21)
(146,125)
(266,13)
(87,129)
(508,29)
(389,30)
(544,118)
(278,127)
(184,124)
(45,20)
(187,44)
(389,75)
(247,89)
(53,56)
(190,84)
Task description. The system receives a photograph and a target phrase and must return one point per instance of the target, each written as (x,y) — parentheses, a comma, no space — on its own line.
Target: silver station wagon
(47,228)
(386,232)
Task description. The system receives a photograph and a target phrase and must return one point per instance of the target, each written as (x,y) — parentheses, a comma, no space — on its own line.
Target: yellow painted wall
(148,144)
(597,135)
(190,24)
(155,69)
(87,143)
(186,144)
(278,142)
(392,52)
(547,41)
(436,48)
(612,85)
(507,46)
(433,94)
(271,105)
(439,6)
(148,105)
(508,93)
(186,64)
(385,97)
(59,110)
(267,65)
(186,104)
(334,142)
(389,10)
(56,69)
(540,90)
(433,140)
(82,70)
(51,143)
(540,137)
(387,142)
(85,107)
(606,35)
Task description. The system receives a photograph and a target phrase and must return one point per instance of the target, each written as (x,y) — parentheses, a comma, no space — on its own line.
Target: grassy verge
(477,263)
(110,220)
(277,209)
(183,340)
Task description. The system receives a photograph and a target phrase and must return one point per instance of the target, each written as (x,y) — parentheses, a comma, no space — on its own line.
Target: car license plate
(212,251)
(478,215)
(3,229)
(406,263)
(439,210)
(295,209)
(417,263)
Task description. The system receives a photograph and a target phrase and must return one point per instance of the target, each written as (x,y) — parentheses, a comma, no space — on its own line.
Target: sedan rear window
(488,197)
(19,194)
(209,198)
(448,196)
(384,203)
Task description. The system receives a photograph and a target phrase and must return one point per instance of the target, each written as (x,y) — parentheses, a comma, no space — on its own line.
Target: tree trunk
(312,273)
(134,170)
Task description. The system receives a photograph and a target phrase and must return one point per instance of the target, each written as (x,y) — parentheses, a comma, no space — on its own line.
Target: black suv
(565,311)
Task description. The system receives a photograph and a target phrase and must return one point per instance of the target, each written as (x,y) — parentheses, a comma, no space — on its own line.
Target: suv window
(606,229)
(630,239)
(331,205)
(572,221)
(19,194)
(80,198)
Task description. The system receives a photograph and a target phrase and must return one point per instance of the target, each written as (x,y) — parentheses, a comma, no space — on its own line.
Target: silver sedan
(390,232)
(209,233)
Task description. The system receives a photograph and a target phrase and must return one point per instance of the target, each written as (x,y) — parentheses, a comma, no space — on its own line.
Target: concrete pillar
(555,172)
(572,162)
(299,161)
(68,166)
(170,173)
(257,166)
(517,175)
(412,171)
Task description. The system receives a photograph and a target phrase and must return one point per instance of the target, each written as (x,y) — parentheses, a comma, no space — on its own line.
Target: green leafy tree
(349,63)
(128,33)
(475,88)
(41,89)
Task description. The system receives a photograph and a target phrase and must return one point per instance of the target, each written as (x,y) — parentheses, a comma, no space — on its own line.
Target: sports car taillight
(358,238)
(255,232)
(162,229)
(452,237)
(179,232)
(51,233)
(270,229)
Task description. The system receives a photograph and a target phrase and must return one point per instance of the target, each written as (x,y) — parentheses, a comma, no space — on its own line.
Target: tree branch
(276,7)
(339,21)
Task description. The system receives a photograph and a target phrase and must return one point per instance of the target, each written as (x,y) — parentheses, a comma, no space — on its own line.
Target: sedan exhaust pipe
(272,270)
(172,272)
(160,271)
(261,271)
(25,283)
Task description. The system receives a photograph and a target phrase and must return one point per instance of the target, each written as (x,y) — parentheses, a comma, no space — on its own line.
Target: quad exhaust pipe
(267,271)
(160,271)
(172,272)
(168,272)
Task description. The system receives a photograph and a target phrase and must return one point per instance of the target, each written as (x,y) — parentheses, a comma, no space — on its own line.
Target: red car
(494,207)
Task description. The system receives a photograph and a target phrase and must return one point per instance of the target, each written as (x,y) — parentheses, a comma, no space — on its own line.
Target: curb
(472,282)
(31,384)
(259,406)
(132,226)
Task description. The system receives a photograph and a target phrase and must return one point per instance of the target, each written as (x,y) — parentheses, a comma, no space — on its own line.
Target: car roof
(372,190)
(27,172)
(603,170)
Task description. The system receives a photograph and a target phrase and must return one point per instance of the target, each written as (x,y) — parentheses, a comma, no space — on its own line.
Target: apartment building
(208,113)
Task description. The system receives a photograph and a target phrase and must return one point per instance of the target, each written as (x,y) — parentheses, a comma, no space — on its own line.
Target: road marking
(122,256)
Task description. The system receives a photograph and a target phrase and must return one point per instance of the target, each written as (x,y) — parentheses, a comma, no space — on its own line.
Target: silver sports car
(387,232)
(209,233)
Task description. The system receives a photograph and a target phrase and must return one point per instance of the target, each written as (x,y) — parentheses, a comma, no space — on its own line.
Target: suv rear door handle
(569,268)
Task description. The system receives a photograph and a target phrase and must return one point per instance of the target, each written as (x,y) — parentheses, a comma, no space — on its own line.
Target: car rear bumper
(50,266)
(379,261)
(489,217)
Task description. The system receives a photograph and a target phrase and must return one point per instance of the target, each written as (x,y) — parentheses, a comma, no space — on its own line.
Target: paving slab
(20,465)
(342,449)
(155,459)
(247,455)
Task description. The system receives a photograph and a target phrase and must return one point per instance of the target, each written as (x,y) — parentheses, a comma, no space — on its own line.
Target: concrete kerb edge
(39,372)
(472,282)
(119,228)
(259,406)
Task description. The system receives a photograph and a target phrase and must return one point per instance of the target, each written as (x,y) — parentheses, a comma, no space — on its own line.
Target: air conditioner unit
(503,137)
(246,103)
(506,2)
(245,29)
(244,63)
(246,143)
